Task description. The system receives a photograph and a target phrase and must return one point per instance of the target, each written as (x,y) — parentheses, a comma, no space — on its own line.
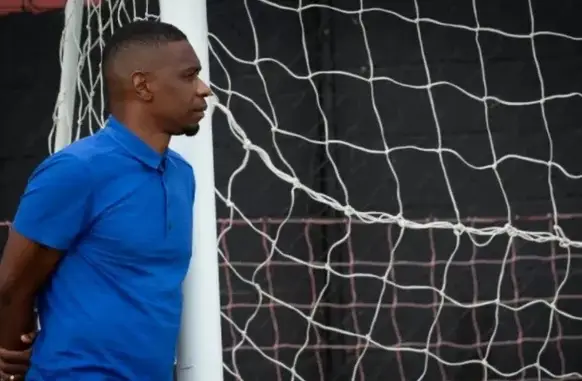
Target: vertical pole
(70,43)
(200,347)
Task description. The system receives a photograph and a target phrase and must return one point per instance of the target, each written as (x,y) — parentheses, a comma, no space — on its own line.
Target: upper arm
(52,212)
(25,265)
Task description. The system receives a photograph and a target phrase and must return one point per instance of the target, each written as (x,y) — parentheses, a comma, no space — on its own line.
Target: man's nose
(204,89)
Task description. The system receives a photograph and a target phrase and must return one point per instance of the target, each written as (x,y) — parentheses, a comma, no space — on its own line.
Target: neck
(145,127)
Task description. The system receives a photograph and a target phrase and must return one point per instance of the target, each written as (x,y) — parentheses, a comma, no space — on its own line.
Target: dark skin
(156,93)
(165,97)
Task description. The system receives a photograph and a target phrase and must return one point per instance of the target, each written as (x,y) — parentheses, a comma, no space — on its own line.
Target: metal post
(69,73)
(200,347)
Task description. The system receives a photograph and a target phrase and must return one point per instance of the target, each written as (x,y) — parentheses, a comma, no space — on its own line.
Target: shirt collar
(133,144)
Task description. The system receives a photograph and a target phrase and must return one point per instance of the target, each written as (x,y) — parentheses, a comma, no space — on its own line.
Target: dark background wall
(258,330)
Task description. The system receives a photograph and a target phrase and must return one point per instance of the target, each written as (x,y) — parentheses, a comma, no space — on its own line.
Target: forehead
(179,54)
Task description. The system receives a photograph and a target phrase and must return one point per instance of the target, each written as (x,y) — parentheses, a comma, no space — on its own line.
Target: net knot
(563,241)
(458,229)
(510,230)
(349,211)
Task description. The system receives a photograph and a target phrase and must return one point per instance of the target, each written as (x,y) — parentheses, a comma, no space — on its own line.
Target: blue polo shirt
(122,215)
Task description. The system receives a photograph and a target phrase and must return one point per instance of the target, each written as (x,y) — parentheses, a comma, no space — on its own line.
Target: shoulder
(90,147)
(73,158)
(77,160)
(97,154)
(65,163)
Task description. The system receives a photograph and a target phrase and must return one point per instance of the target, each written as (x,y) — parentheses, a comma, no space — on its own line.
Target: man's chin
(191,130)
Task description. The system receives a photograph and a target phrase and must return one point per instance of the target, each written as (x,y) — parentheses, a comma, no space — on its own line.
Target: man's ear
(141,86)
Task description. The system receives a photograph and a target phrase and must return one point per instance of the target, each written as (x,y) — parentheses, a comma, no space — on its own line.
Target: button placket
(167,214)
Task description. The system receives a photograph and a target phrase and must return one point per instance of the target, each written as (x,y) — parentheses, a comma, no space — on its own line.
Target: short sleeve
(55,205)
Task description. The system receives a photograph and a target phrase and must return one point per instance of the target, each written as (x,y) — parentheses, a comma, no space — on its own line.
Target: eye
(189,76)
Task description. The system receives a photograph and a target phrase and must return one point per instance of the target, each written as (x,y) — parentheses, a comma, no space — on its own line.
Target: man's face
(178,93)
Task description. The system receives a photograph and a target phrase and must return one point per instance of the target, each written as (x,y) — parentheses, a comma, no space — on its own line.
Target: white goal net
(397,184)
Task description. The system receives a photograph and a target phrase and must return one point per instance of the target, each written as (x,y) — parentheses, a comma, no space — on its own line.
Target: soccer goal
(397,184)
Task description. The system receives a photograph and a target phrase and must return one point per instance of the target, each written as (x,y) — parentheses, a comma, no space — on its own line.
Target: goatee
(191,130)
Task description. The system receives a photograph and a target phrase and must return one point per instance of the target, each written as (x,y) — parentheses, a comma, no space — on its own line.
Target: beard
(191,130)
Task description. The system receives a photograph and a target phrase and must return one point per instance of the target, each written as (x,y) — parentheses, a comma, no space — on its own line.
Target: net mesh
(361,149)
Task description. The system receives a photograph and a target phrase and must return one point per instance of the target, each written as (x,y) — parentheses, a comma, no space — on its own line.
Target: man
(102,237)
